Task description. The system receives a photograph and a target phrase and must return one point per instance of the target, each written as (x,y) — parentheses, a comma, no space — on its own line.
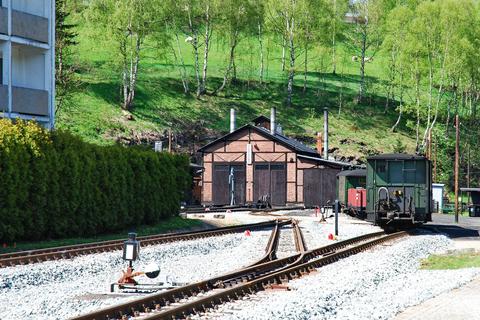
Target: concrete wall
(30,101)
(28,67)
(29,26)
(3,20)
(35,7)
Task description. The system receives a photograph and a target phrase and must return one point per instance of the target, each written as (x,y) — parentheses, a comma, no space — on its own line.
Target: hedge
(54,185)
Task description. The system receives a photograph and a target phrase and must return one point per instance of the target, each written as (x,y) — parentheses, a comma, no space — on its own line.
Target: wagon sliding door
(319,186)
(221,188)
(270,179)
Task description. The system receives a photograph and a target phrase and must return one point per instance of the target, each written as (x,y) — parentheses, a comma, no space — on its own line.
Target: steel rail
(230,281)
(65,252)
(262,283)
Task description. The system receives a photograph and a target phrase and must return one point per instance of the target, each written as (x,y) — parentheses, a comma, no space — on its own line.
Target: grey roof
(396,156)
(353,173)
(470,189)
(331,162)
(294,144)
(289,142)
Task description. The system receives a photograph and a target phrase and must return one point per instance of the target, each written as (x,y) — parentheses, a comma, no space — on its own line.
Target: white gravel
(64,288)
(372,285)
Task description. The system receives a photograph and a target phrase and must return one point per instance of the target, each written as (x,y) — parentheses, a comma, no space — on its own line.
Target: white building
(27,60)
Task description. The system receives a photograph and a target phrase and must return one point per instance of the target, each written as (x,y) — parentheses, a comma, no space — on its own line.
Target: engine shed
(264,162)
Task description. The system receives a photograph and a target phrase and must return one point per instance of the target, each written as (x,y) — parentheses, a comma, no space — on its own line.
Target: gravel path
(371,285)
(64,288)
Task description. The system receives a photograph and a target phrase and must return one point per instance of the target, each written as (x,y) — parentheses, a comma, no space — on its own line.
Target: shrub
(52,184)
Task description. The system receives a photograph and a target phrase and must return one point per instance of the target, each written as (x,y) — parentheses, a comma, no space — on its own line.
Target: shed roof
(396,156)
(280,138)
(470,189)
(329,162)
(353,173)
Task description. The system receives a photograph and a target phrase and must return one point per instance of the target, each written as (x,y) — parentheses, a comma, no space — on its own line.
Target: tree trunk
(183,71)
(291,71)
(417,98)
(284,44)
(195,50)
(260,41)
(306,70)
(208,31)
(135,59)
(123,51)
(361,93)
(334,40)
(230,62)
(400,111)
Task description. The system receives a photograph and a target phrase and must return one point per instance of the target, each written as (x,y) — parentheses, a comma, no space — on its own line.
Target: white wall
(36,7)
(28,67)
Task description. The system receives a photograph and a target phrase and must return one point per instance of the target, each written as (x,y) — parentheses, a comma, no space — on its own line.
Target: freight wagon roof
(396,156)
(353,173)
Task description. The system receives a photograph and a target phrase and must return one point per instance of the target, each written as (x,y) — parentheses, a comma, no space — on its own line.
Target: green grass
(454,261)
(160,103)
(170,225)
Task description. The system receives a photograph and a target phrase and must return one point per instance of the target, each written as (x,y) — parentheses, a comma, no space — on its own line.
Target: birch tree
(238,19)
(365,34)
(128,23)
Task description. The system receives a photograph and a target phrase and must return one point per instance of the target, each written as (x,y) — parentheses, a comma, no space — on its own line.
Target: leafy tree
(128,22)
(65,42)
(238,19)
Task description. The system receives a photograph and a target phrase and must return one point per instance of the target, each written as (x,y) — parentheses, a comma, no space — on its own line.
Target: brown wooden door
(220,185)
(319,186)
(270,179)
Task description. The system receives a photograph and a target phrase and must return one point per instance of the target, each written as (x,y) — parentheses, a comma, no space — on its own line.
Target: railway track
(200,296)
(66,252)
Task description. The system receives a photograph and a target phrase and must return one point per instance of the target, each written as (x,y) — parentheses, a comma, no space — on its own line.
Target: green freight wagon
(348,179)
(399,189)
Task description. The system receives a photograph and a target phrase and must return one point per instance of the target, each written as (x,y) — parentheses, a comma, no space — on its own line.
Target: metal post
(337,208)
(457,141)
(232,120)
(169,140)
(273,120)
(325,133)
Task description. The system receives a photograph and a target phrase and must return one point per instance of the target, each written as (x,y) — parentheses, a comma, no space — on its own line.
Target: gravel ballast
(375,284)
(64,288)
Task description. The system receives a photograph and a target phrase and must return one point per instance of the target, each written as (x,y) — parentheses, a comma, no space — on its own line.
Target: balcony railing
(25,25)
(25,101)
(29,26)
(3,20)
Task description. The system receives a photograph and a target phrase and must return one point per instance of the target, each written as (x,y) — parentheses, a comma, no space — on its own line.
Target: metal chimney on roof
(273,121)
(232,120)
(325,133)
(319,143)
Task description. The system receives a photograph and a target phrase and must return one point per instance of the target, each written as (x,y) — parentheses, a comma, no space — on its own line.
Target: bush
(53,185)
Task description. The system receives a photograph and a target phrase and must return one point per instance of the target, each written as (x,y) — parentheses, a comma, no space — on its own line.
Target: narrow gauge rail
(66,252)
(206,294)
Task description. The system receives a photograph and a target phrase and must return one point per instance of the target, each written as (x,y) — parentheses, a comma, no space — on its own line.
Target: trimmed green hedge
(54,185)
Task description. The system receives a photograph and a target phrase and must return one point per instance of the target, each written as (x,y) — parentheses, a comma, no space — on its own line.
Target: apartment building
(27,60)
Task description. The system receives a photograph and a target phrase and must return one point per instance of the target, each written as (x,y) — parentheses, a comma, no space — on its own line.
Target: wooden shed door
(270,179)
(221,189)
(319,186)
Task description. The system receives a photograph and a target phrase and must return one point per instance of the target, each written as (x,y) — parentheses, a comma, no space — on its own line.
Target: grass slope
(160,102)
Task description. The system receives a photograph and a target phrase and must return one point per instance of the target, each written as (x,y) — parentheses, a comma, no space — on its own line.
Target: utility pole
(429,150)
(457,140)
(434,159)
